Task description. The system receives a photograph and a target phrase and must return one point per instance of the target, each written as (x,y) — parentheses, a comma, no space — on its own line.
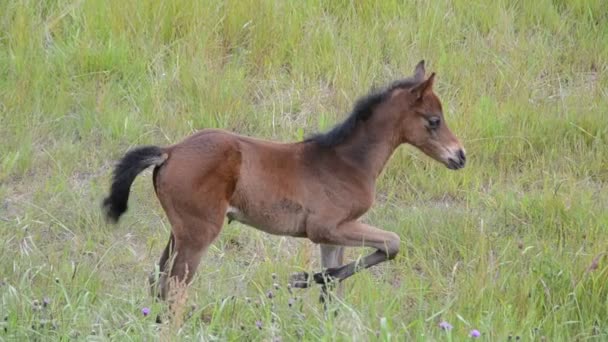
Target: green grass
(506,246)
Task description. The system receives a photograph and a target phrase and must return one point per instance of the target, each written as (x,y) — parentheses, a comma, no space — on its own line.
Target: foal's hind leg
(194,228)
(158,281)
(359,234)
(191,241)
(183,254)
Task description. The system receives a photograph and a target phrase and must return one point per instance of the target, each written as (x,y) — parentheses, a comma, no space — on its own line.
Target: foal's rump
(207,157)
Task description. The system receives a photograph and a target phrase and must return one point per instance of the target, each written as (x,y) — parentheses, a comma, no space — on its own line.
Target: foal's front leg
(356,234)
(360,234)
(331,256)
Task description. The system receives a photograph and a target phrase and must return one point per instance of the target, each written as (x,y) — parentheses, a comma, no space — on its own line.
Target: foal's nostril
(457,160)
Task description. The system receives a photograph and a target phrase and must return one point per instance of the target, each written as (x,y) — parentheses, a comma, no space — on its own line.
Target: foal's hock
(317,188)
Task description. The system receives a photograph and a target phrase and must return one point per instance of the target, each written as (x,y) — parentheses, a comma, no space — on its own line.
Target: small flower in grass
(46,301)
(258,324)
(145,311)
(291,302)
(269,294)
(445,326)
(276,286)
(475,333)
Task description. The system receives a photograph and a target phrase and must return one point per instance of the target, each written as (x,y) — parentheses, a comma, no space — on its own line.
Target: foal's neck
(370,146)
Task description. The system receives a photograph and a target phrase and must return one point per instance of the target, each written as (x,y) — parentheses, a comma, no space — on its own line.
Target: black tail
(134,162)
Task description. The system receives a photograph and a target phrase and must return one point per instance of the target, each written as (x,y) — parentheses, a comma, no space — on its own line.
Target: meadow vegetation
(516,244)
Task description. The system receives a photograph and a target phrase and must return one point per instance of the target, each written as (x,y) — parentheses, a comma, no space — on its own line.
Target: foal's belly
(282,217)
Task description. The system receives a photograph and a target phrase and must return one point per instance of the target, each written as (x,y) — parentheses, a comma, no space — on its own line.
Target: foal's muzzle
(457,160)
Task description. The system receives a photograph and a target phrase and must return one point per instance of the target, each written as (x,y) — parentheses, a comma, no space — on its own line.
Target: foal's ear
(424,87)
(419,71)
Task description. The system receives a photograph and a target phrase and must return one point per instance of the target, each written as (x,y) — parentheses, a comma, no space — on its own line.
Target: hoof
(324,278)
(299,280)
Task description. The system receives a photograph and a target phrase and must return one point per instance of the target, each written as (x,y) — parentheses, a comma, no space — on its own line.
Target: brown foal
(316,189)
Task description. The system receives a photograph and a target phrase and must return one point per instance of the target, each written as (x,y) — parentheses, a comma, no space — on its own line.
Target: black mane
(363,110)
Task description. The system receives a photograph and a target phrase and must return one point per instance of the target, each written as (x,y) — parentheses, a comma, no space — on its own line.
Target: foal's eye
(434,122)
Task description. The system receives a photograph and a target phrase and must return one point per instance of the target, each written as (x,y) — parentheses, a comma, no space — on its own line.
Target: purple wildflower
(475,333)
(258,324)
(269,294)
(445,326)
(145,311)
(46,301)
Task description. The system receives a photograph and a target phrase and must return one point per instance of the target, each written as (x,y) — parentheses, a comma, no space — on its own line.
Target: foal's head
(421,122)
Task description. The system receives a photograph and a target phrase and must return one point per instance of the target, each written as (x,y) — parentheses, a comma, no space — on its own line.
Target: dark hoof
(324,278)
(299,280)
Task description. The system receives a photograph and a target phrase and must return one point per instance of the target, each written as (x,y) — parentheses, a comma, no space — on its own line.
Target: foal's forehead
(432,101)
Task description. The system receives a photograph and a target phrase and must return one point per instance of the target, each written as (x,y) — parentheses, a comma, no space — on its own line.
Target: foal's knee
(392,246)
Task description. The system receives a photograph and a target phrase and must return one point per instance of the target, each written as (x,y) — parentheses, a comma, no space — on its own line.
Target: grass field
(514,245)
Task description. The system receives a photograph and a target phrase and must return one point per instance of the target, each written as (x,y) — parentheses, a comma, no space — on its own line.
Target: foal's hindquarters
(193,187)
